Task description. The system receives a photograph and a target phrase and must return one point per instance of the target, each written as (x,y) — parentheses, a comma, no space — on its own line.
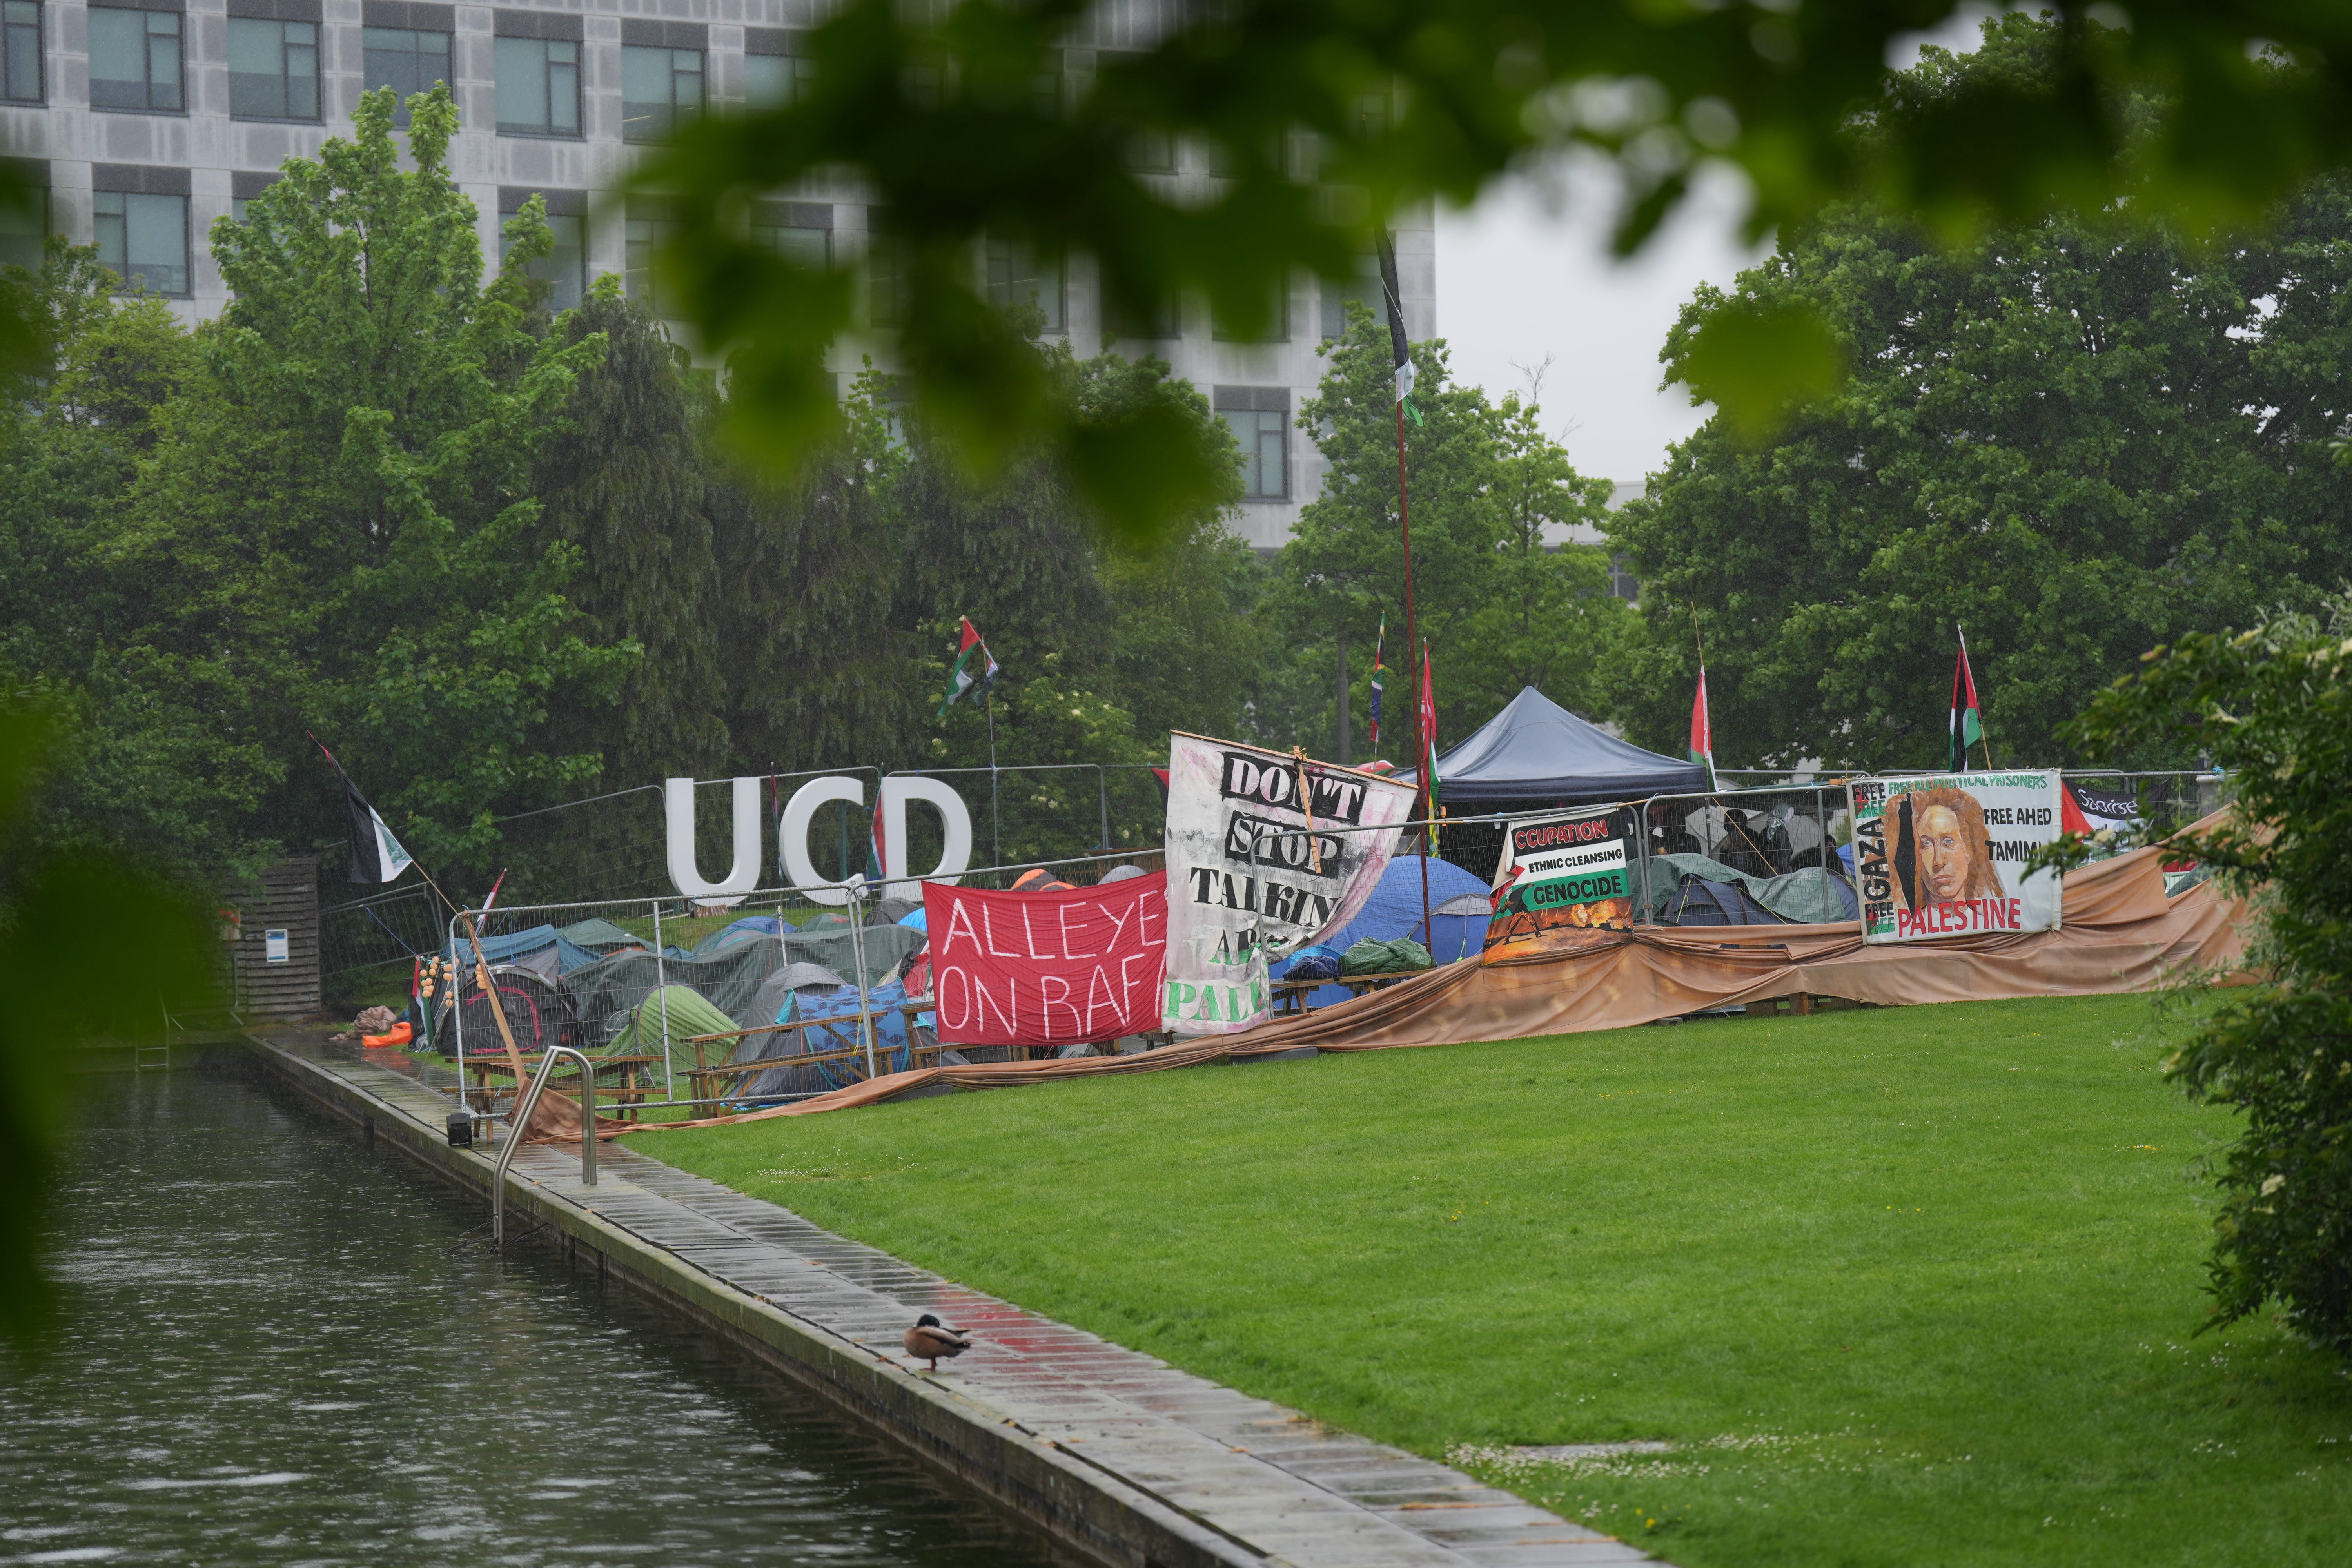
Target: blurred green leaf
(90,950)
(1321,119)
(1759,362)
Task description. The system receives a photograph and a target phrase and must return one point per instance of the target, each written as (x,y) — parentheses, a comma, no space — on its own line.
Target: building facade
(146,120)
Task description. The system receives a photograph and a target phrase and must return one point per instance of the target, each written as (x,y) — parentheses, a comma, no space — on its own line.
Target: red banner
(1048,969)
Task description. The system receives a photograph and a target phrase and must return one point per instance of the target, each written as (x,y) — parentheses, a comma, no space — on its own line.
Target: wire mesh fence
(689,1007)
(369,945)
(2166,802)
(607,859)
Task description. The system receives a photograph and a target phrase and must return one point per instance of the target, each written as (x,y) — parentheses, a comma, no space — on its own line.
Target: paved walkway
(1268,1479)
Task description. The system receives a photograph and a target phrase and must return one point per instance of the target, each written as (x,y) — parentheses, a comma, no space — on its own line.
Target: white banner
(1945,856)
(1228,916)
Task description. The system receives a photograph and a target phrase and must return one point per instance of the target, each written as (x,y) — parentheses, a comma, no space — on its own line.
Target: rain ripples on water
(280,1347)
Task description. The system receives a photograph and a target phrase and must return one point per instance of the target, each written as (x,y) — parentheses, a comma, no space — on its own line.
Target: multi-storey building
(145,120)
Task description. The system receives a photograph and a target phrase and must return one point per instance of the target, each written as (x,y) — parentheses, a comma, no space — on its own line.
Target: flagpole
(995,824)
(1985,734)
(1413,640)
(1714,785)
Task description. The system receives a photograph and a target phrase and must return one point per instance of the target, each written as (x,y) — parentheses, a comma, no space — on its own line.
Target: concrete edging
(1052,1488)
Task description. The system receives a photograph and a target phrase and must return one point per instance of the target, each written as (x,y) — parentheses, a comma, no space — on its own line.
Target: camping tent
(538,1012)
(1394,910)
(541,948)
(1807,895)
(1537,751)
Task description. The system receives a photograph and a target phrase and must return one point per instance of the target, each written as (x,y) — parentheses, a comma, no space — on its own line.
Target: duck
(934,1342)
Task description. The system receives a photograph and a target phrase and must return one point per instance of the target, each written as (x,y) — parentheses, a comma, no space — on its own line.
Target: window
(24,230)
(273,70)
(661,90)
(243,185)
(1165,323)
(1046,87)
(770,82)
(650,227)
(1274,327)
(144,240)
(1151,153)
(890,287)
(538,87)
(776,69)
(565,270)
(1259,417)
(801,232)
(1017,278)
(1365,285)
(407,60)
(134,59)
(20,51)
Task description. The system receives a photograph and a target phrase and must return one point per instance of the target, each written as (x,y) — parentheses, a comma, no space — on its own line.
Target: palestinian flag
(1428,732)
(1401,348)
(1967,722)
(1702,734)
(1379,670)
(969,672)
(375,855)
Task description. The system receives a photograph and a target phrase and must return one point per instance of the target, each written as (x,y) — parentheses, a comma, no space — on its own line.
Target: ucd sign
(791,834)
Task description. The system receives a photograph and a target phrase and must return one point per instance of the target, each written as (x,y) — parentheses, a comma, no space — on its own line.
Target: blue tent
(529,949)
(1394,910)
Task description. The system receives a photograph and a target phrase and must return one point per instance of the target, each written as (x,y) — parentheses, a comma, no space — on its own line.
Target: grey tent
(1534,752)
(731,977)
(1808,895)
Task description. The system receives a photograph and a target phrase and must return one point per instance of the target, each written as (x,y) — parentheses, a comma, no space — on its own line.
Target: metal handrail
(521,1119)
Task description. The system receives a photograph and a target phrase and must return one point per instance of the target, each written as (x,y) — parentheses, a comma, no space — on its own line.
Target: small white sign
(273,947)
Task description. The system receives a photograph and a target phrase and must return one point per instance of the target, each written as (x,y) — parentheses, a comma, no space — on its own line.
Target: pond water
(283,1347)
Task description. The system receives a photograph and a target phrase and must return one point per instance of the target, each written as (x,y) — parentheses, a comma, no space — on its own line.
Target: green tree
(2273,707)
(1499,608)
(624,481)
(1548,618)
(935,111)
(2077,438)
(818,675)
(135,771)
(335,527)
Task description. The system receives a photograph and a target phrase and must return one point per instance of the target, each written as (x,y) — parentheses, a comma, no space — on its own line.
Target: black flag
(375,854)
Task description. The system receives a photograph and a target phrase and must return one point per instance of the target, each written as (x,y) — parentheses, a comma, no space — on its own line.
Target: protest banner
(1048,969)
(1255,872)
(1568,870)
(2104,805)
(1945,856)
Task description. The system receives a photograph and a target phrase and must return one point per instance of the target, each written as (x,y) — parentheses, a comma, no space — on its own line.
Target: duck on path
(934,1342)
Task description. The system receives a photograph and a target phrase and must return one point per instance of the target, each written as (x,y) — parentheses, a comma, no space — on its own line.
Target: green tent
(690,1014)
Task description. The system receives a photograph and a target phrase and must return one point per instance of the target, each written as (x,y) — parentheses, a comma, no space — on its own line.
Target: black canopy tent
(1536,752)
(1535,755)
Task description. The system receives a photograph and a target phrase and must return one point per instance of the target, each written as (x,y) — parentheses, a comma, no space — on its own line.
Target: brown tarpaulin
(2121,933)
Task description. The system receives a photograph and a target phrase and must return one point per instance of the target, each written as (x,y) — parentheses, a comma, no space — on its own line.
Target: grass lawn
(1912,1286)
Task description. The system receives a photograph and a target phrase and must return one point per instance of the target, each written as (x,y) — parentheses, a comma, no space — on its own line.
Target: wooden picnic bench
(1289,997)
(635,1085)
(724,1081)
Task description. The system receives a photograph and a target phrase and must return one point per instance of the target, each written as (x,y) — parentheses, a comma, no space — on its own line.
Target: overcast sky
(1527,273)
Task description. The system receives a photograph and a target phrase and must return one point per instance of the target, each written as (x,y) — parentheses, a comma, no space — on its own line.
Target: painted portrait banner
(1945,856)
(1565,870)
(1231,911)
(1048,969)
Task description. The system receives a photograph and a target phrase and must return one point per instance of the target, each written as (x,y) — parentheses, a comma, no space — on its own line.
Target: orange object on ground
(2121,933)
(400,1034)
